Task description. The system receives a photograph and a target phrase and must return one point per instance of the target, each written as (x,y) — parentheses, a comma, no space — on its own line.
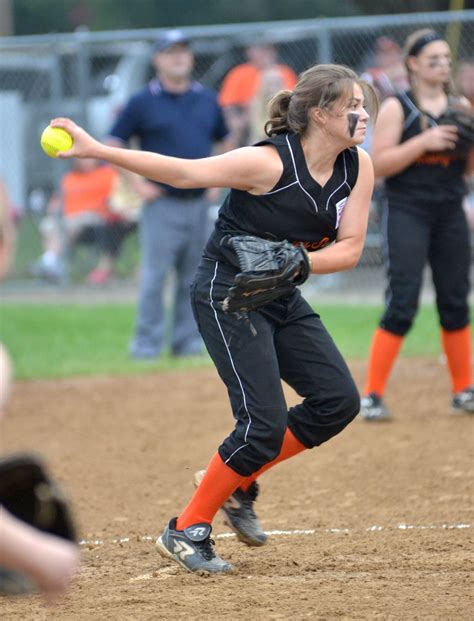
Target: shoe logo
(182,549)
(198,531)
(232,503)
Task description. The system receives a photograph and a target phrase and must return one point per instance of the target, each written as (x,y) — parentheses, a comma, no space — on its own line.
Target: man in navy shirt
(173,116)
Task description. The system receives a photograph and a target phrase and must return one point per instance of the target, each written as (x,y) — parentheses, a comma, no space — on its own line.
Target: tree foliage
(40,16)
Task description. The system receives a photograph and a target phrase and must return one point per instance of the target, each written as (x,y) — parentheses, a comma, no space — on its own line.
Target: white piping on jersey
(296,174)
(280,189)
(244,399)
(414,114)
(344,182)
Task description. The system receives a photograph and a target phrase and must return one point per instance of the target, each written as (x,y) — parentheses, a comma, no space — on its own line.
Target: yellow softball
(54,140)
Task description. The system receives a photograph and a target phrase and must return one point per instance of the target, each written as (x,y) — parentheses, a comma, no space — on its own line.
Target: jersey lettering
(310,246)
(435,159)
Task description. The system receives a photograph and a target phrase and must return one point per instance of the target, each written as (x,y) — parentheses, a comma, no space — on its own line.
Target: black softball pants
(432,234)
(291,344)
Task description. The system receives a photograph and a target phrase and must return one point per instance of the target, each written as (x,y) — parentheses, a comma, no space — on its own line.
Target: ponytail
(278,108)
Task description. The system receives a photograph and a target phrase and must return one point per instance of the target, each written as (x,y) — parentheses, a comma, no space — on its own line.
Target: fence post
(325,54)
(84,73)
(59,166)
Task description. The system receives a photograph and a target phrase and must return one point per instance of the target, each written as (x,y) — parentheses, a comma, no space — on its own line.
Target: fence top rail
(279,28)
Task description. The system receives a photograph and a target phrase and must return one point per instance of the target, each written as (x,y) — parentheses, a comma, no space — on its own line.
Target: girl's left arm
(346,252)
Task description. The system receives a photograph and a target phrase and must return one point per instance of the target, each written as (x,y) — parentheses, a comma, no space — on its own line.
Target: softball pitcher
(308,183)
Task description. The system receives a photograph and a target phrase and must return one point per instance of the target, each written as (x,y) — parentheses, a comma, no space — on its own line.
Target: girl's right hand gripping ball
(54,140)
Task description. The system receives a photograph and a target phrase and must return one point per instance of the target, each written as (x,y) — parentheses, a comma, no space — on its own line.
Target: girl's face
(433,63)
(348,117)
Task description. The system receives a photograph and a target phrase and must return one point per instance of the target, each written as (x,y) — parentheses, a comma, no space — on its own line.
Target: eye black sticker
(353,119)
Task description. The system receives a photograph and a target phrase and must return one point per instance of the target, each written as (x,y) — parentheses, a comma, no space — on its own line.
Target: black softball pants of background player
(420,234)
(291,344)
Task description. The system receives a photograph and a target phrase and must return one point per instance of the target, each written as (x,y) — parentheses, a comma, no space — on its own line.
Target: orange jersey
(88,191)
(242,83)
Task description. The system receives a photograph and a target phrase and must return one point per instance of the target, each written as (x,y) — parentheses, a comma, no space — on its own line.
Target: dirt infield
(377,524)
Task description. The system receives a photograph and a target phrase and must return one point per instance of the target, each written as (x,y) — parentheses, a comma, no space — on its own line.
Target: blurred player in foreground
(47,561)
(424,160)
(307,183)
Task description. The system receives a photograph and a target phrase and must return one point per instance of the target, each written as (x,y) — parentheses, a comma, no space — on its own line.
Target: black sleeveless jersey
(297,209)
(435,177)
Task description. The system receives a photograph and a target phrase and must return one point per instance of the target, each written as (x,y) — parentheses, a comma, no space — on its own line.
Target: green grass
(61,341)
(352,329)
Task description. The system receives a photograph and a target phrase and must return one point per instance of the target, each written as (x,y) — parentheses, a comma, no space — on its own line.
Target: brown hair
(414,43)
(320,86)
(413,46)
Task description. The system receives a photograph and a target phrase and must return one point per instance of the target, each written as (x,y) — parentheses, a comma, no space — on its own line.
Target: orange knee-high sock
(383,353)
(216,486)
(290,447)
(457,347)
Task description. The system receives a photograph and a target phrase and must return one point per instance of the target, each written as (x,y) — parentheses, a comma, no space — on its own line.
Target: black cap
(170,38)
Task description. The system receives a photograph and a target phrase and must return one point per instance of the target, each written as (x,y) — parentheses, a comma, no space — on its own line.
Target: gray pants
(173,232)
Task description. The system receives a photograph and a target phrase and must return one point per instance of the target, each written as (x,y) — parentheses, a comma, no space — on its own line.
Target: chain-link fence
(89,76)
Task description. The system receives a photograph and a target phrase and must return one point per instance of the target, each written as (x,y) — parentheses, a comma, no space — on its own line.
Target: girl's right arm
(389,155)
(253,169)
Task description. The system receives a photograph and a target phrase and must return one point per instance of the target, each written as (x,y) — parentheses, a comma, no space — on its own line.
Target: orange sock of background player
(290,447)
(457,346)
(216,486)
(383,353)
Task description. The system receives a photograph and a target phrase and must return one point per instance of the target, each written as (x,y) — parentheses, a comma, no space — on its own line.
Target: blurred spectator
(173,115)
(48,561)
(464,79)
(388,75)
(270,83)
(123,206)
(86,217)
(7,234)
(249,85)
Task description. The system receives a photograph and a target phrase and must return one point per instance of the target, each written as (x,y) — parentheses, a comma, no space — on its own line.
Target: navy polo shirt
(178,124)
